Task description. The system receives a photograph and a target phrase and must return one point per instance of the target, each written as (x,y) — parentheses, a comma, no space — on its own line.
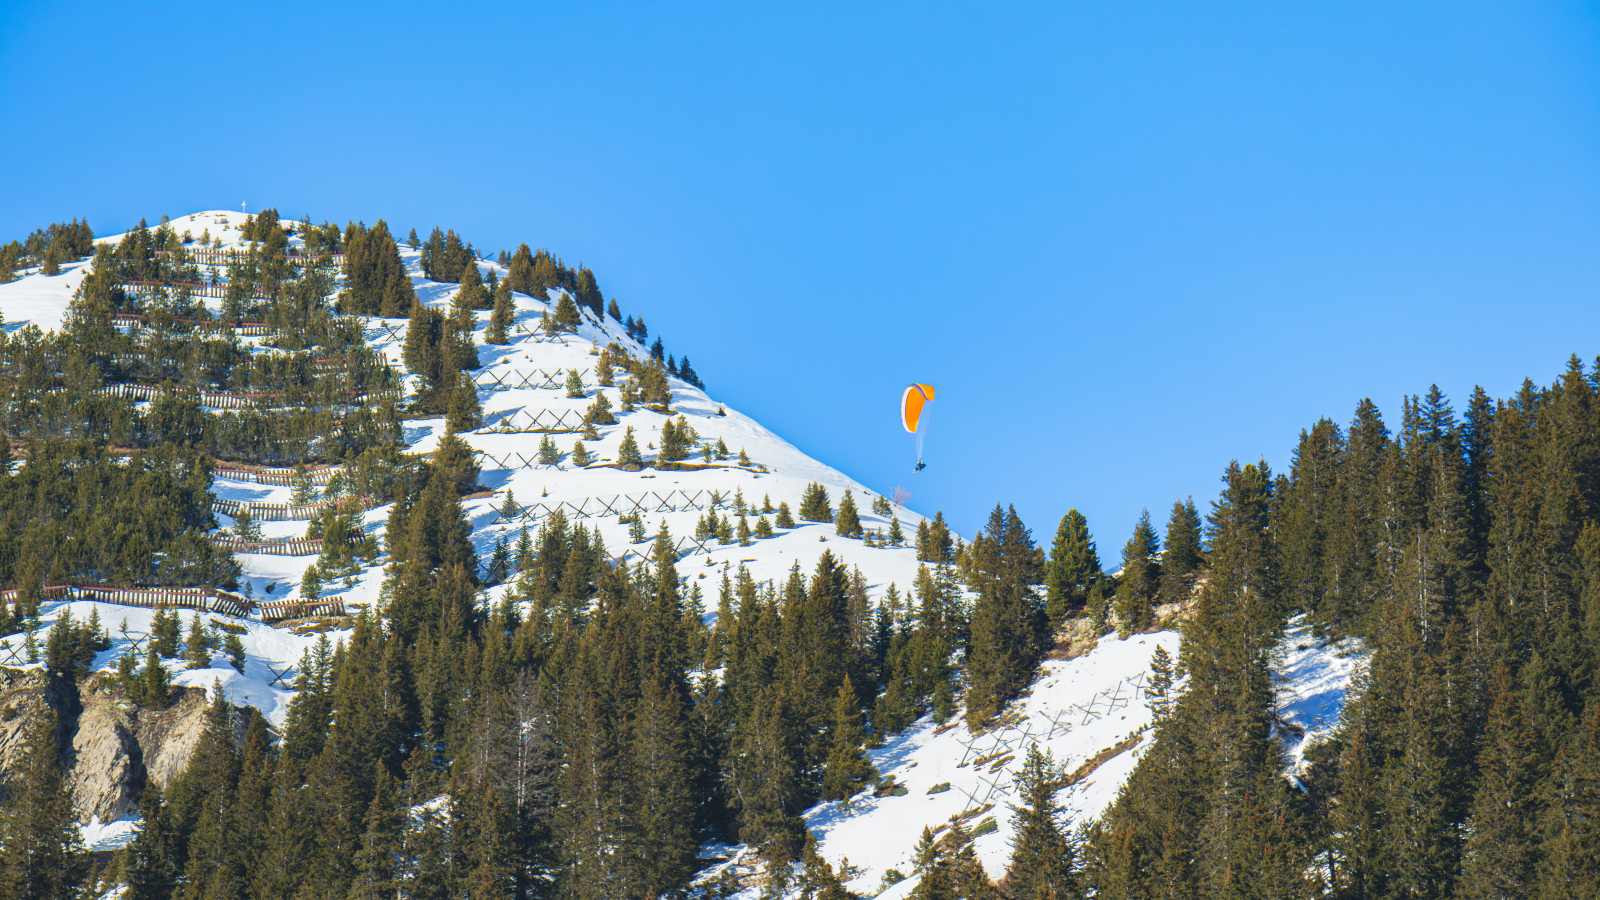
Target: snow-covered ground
(508,392)
(1076,710)
(1312,677)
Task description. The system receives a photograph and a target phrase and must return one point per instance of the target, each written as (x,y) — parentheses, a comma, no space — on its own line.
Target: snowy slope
(1077,709)
(778,470)
(506,380)
(1312,679)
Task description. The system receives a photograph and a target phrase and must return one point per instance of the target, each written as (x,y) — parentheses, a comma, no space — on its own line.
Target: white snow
(1312,677)
(1076,710)
(101,836)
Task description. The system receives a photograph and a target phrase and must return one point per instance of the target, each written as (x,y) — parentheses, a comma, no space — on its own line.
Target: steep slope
(519,385)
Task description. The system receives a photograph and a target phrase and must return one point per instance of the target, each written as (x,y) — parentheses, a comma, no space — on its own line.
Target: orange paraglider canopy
(911,404)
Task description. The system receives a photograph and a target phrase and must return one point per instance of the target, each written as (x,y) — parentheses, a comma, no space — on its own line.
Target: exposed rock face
(169,736)
(104,763)
(110,747)
(25,698)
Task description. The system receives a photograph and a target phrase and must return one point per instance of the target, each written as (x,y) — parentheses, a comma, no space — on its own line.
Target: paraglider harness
(920,466)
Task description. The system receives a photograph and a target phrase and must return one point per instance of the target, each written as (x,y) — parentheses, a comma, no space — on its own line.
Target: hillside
(603,595)
(523,391)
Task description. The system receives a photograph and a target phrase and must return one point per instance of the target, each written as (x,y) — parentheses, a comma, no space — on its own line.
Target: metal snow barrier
(614,505)
(996,748)
(547,421)
(506,381)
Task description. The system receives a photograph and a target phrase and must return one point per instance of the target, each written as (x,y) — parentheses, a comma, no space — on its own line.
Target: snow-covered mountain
(1088,710)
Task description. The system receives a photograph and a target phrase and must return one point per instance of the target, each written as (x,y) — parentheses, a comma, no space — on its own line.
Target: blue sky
(1127,242)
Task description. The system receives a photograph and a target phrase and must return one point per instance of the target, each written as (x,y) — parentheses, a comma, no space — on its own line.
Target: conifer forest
(513,620)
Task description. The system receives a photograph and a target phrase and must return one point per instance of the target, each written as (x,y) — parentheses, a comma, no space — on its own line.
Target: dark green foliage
(72,646)
(628,452)
(847,768)
(848,521)
(110,509)
(1009,626)
(376,280)
(445,256)
(676,439)
(1074,566)
(599,411)
(41,853)
(500,320)
(1181,559)
(1043,854)
(934,542)
(588,292)
(815,505)
(436,351)
(1140,579)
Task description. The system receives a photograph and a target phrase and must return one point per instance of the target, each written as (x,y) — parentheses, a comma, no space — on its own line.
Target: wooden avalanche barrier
(281,477)
(299,608)
(203,599)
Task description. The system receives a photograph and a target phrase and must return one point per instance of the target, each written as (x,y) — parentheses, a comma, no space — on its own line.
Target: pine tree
(549,455)
(566,314)
(504,314)
(847,769)
(1159,690)
(41,852)
(574,384)
(1141,574)
(1181,558)
(848,521)
(784,519)
(197,649)
(1501,852)
(599,411)
(149,867)
(628,453)
(157,692)
(1074,566)
(1008,623)
(1042,853)
(815,505)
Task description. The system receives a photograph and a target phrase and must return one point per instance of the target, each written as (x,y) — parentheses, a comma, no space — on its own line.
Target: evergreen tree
(198,647)
(1141,576)
(1042,853)
(628,453)
(1008,626)
(41,852)
(1181,558)
(847,770)
(848,522)
(815,505)
(504,314)
(1074,566)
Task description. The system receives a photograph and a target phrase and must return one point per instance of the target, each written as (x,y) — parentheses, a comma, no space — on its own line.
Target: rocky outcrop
(168,736)
(103,761)
(110,747)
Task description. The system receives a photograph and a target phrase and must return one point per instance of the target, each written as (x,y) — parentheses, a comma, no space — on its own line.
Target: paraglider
(912,401)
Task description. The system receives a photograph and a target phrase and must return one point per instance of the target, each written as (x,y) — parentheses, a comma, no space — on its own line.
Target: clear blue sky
(1127,242)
